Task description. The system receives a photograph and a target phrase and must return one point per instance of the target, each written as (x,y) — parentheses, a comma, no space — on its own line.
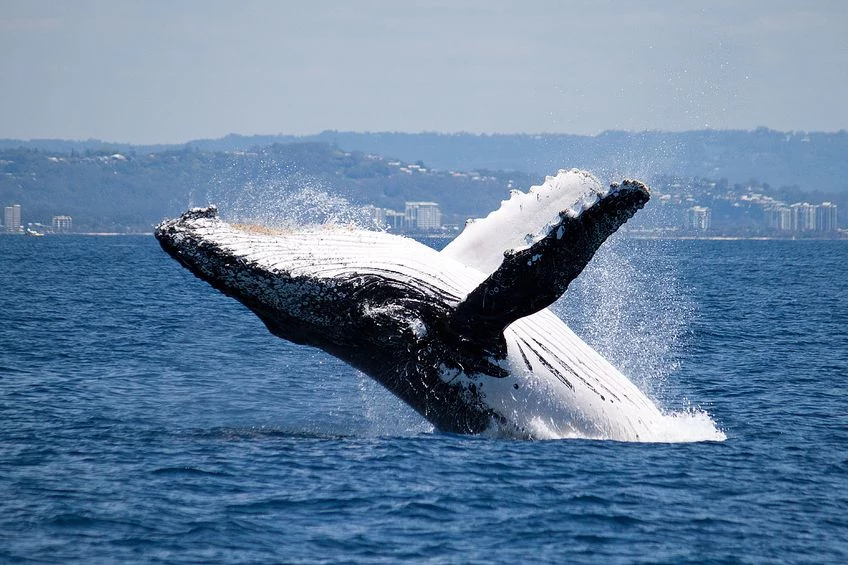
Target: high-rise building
(804,217)
(423,216)
(778,218)
(698,218)
(62,224)
(12,219)
(395,220)
(826,217)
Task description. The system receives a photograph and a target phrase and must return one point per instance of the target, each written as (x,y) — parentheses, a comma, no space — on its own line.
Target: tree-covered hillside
(121,189)
(811,161)
(109,190)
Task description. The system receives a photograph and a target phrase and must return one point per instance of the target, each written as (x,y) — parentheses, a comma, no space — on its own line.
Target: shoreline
(450,237)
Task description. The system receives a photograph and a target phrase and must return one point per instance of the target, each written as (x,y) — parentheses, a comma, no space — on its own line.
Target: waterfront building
(698,218)
(826,220)
(423,216)
(778,218)
(378,215)
(394,220)
(804,216)
(62,224)
(12,219)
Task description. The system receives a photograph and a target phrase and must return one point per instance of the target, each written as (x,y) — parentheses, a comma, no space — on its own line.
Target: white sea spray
(630,305)
(278,197)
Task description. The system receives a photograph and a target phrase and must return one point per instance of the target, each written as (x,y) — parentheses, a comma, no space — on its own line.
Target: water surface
(144,417)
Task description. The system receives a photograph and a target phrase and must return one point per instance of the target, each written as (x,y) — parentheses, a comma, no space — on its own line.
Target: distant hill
(111,190)
(808,161)
(119,187)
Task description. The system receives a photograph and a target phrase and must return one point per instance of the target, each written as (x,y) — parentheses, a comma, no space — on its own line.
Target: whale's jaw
(462,344)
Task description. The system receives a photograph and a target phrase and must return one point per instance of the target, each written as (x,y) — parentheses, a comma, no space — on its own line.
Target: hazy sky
(171,71)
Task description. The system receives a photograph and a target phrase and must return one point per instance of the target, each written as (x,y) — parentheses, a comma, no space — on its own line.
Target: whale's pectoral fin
(531,279)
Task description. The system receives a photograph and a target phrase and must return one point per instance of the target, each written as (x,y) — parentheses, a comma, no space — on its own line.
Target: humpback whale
(463,335)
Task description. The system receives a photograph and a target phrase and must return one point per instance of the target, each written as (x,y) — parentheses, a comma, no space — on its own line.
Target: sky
(172,71)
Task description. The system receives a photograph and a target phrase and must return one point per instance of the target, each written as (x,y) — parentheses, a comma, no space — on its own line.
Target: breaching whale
(464,336)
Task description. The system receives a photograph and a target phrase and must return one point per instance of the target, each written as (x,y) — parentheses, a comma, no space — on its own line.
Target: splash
(690,426)
(288,200)
(687,426)
(384,414)
(630,305)
(282,205)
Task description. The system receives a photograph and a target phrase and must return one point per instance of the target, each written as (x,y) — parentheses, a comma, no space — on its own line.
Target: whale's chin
(463,336)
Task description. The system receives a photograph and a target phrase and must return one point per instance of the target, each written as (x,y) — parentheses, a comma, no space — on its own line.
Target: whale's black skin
(534,278)
(382,346)
(404,332)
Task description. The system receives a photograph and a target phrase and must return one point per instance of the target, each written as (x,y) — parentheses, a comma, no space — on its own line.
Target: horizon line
(763,129)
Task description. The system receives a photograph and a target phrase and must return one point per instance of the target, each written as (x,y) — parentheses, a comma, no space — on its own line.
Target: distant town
(776,219)
(798,218)
(703,207)
(105,191)
(12,223)
(679,208)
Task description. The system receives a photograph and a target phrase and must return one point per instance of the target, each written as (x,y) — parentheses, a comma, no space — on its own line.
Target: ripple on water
(174,429)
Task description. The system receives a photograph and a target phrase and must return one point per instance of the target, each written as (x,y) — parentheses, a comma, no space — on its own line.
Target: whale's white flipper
(524,219)
(563,223)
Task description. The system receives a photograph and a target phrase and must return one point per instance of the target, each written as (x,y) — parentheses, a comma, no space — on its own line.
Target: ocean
(146,418)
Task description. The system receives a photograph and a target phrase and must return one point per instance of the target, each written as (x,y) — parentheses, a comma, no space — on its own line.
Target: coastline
(447,237)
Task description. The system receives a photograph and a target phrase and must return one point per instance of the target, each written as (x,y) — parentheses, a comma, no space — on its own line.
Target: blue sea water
(146,418)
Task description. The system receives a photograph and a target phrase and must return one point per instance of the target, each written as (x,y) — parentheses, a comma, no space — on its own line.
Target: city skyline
(13,222)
